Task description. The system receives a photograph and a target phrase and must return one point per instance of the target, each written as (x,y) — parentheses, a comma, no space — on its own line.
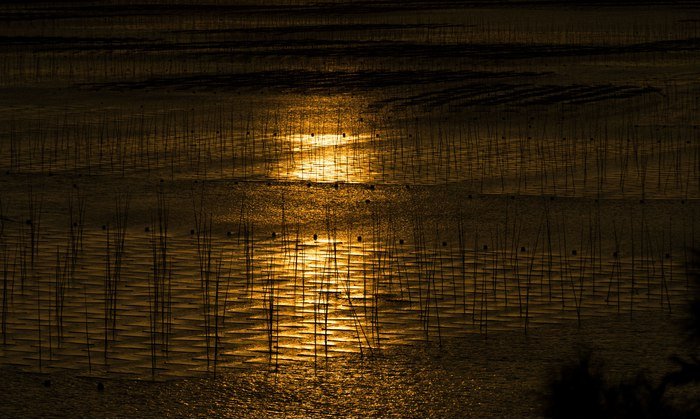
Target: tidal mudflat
(344,209)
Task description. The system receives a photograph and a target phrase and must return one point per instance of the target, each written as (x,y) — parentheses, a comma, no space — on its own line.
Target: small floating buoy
(367,201)
(274,234)
(444,244)
(315,237)
(573,252)
(359,238)
(192,232)
(229,233)
(147,229)
(401,241)
(100,386)
(486,247)
(522,249)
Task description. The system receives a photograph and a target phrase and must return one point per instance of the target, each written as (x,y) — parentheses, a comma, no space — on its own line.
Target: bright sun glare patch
(338,157)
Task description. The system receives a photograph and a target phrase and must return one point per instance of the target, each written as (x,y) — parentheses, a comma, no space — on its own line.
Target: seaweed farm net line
(645,163)
(228,300)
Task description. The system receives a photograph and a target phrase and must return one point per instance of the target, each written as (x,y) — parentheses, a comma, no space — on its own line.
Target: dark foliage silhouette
(582,391)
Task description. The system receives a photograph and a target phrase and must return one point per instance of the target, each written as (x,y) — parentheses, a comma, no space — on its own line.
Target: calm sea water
(339,209)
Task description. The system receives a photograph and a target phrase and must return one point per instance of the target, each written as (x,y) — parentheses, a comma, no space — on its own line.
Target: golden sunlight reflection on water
(317,299)
(324,157)
(323,139)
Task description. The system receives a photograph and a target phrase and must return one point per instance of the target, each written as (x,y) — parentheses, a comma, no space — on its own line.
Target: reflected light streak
(326,158)
(320,294)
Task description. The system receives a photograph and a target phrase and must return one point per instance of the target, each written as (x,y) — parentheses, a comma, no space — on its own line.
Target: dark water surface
(502,376)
